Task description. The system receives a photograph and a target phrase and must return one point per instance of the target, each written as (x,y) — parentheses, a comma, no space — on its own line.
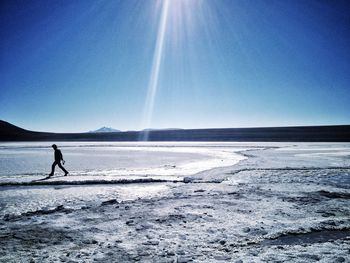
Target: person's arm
(63,161)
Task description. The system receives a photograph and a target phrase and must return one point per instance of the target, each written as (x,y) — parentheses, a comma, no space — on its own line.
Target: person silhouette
(58,159)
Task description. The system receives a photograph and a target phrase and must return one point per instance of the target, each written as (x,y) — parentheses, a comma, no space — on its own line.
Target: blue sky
(71,66)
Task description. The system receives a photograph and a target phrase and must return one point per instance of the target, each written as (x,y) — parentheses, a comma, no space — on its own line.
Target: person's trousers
(59,165)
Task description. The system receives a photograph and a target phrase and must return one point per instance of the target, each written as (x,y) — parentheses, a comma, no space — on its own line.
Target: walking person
(58,159)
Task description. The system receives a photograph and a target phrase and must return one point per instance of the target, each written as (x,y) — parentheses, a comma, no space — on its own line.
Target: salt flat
(219,202)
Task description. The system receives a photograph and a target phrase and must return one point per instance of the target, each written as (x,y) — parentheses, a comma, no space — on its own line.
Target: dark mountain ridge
(335,133)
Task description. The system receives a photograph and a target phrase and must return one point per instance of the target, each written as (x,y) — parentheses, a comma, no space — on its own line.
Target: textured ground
(265,209)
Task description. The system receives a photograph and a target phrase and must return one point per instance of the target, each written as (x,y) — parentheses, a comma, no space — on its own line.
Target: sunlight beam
(154,78)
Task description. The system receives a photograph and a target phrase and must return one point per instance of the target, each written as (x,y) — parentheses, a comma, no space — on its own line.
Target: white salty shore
(283,202)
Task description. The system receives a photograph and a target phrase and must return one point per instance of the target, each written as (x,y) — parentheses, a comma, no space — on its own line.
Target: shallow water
(26,163)
(115,159)
(133,162)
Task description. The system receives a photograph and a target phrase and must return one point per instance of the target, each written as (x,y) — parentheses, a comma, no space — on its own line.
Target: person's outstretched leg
(64,170)
(53,169)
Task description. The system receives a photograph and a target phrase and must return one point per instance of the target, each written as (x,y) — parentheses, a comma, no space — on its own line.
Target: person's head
(54,146)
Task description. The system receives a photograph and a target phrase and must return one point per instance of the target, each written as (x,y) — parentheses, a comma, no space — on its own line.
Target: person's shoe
(66,173)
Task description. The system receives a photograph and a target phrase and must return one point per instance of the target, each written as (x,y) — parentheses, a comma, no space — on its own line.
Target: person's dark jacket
(58,155)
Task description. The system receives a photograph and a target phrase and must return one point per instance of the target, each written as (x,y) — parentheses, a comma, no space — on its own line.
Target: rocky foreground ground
(257,211)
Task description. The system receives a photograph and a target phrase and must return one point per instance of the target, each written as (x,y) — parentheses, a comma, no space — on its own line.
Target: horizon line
(201,128)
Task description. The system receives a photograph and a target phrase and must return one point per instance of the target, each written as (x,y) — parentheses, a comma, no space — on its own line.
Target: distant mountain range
(165,129)
(105,129)
(336,133)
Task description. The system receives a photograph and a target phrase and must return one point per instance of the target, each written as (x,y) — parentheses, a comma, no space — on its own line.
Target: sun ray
(154,78)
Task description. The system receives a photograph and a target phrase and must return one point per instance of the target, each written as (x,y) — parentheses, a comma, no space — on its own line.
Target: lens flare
(175,28)
(154,78)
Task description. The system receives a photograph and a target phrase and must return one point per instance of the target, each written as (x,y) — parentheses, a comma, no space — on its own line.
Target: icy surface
(30,161)
(283,202)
